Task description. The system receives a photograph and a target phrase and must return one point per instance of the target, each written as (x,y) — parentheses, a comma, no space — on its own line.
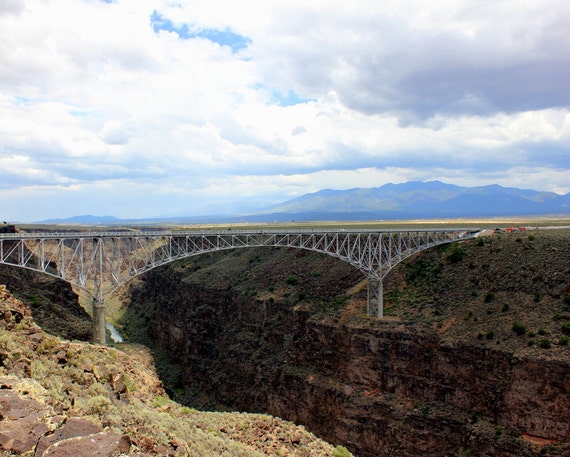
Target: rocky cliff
(67,399)
(472,358)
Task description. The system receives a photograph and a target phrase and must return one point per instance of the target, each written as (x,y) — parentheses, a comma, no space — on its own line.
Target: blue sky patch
(224,37)
(289,99)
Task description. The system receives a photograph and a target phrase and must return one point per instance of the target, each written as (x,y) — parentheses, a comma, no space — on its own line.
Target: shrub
(35,301)
(566,328)
(161,401)
(474,417)
(545,344)
(519,329)
(489,297)
(341,451)
(498,433)
(130,384)
(98,404)
(292,280)
(455,253)
(505,307)
(563,341)
(339,301)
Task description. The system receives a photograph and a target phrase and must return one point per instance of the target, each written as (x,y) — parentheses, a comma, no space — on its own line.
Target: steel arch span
(101,262)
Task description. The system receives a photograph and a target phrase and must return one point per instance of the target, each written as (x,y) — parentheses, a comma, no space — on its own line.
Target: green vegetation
(454,253)
(519,329)
(545,343)
(498,433)
(341,451)
(292,280)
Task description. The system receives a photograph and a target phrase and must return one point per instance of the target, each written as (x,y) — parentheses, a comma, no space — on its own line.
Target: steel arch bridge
(101,262)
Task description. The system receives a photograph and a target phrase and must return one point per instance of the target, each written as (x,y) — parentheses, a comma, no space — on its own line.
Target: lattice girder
(100,262)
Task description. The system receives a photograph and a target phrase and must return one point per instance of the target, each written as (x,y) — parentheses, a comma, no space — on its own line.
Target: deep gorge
(283,332)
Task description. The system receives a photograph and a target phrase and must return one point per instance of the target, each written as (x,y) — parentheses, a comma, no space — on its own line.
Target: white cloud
(94,99)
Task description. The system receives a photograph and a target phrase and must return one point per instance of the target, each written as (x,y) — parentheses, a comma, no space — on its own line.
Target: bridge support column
(375,299)
(99,330)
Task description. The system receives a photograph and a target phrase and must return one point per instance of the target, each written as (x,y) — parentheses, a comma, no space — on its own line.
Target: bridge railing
(207,232)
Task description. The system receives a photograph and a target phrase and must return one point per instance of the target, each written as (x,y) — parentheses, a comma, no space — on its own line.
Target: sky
(156,108)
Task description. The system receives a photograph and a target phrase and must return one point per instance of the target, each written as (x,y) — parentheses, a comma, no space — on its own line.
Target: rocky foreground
(60,398)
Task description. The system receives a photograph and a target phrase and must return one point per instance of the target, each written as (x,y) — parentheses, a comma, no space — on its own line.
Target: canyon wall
(392,387)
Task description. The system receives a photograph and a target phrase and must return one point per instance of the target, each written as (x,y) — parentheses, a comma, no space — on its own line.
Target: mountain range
(428,199)
(411,200)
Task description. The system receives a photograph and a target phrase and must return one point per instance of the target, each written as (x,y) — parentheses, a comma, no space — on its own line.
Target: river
(115,334)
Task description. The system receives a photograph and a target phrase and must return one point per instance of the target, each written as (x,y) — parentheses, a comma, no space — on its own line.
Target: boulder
(102,444)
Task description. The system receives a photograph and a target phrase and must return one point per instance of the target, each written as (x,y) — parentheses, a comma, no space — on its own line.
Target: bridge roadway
(101,262)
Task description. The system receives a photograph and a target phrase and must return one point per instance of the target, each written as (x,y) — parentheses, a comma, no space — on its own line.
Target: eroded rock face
(382,389)
(105,444)
(32,422)
(27,425)
(73,427)
(24,422)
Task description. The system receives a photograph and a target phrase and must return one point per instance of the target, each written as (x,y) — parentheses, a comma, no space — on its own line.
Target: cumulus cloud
(142,107)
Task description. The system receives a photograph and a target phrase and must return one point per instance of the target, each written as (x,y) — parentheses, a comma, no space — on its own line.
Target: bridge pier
(99,330)
(375,305)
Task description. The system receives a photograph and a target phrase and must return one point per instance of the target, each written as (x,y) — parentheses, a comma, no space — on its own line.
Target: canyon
(449,371)
(471,359)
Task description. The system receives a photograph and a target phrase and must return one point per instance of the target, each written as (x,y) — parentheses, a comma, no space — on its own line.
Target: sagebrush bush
(341,451)
(519,329)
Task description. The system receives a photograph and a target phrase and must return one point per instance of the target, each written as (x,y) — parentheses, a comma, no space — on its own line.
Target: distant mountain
(86,219)
(411,200)
(425,199)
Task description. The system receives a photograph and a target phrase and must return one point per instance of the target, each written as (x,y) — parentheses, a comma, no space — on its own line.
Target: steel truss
(101,262)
